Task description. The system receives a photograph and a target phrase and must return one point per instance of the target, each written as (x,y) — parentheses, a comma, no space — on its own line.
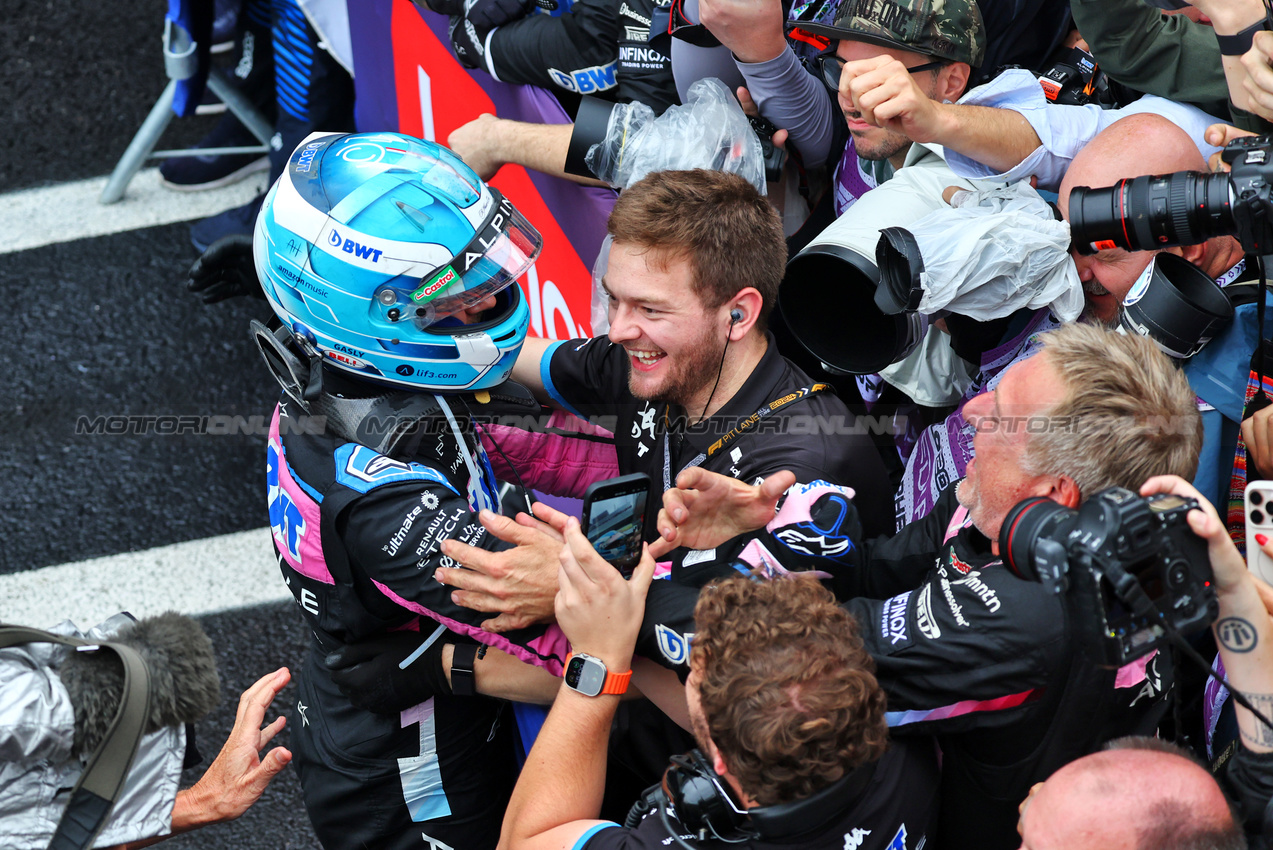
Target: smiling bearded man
(692,277)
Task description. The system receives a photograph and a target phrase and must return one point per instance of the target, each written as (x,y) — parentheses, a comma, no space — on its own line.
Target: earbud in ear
(735,315)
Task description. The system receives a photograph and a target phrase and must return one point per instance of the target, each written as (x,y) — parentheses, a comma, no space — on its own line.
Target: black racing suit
(965,650)
(357,536)
(600,48)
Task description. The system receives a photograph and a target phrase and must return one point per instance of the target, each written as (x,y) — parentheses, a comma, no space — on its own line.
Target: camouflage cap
(945,29)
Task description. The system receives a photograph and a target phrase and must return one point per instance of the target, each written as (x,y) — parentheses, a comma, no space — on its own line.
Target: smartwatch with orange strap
(588,675)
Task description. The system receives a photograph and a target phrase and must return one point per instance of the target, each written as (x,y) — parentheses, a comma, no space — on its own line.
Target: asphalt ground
(102,327)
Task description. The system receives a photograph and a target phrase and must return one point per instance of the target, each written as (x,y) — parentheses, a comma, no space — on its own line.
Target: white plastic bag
(994,252)
(708,131)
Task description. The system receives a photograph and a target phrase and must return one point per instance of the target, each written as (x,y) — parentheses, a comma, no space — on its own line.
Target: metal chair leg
(140,147)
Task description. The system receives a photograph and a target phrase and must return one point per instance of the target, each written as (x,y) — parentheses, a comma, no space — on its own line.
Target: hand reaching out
(597,608)
(238,775)
(519,583)
(706,509)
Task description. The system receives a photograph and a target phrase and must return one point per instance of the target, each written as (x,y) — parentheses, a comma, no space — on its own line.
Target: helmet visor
(501,252)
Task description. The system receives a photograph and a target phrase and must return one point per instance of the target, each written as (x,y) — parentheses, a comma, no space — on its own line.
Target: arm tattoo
(1236,634)
(1263,735)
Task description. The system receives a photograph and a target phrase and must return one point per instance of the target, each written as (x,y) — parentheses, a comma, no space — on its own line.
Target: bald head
(1130,147)
(1125,800)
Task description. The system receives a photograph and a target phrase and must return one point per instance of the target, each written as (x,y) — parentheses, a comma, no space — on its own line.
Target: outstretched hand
(238,775)
(706,509)
(519,583)
(480,144)
(225,270)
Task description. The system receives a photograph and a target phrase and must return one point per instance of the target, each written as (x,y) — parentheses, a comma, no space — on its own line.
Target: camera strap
(102,781)
(734,433)
(1261,398)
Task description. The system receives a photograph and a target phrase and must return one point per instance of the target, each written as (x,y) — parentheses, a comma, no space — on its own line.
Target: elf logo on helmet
(349,246)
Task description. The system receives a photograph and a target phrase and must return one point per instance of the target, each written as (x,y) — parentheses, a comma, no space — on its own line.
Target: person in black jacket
(788,719)
(965,650)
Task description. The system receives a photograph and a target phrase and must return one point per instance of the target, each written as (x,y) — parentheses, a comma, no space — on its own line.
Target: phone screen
(615,522)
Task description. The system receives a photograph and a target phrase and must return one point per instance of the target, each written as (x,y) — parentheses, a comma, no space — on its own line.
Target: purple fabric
(580,211)
(942,452)
(850,182)
(1214,696)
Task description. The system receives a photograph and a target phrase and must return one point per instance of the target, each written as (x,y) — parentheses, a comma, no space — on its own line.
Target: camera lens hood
(898,256)
(1177,305)
(827,299)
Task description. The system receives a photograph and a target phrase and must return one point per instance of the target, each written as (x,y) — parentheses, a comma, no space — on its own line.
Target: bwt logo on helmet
(349,246)
(306,159)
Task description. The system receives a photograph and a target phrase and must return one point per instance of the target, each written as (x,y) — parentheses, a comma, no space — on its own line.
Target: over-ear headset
(706,807)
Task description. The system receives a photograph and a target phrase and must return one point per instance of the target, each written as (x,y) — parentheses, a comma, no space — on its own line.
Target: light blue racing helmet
(370,246)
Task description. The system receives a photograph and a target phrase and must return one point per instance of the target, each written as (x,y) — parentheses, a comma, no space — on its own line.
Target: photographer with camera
(1136,145)
(1128,281)
(788,719)
(964,649)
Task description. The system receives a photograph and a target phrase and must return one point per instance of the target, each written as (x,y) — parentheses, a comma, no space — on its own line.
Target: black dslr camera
(1129,568)
(1075,79)
(1185,208)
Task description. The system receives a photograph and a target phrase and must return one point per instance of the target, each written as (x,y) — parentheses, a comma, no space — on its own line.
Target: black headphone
(735,316)
(706,807)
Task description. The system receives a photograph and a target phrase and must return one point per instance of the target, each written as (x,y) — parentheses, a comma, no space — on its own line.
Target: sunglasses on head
(830,66)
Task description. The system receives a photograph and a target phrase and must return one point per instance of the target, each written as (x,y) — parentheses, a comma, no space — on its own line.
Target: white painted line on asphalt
(32,218)
(196,577)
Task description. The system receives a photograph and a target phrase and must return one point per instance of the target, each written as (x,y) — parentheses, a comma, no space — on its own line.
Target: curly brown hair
(787,689)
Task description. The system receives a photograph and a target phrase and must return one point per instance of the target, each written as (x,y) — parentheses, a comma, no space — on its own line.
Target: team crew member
(789,723)
(392,270)
(964,649)
(689,377)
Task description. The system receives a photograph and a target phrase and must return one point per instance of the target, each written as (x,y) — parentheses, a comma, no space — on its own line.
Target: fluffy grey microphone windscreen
(183,677)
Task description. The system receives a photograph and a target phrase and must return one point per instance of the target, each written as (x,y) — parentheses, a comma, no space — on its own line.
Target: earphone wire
(735,316)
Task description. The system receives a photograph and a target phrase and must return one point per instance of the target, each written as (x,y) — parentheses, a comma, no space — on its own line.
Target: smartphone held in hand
(614,517)
(1258,511)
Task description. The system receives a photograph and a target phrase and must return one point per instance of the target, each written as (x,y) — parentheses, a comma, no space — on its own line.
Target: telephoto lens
(1151,212)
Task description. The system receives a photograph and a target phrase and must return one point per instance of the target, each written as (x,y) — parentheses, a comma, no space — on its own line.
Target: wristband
(1236,45)
(463,658)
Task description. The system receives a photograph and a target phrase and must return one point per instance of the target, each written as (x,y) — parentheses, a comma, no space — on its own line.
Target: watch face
(585,674)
